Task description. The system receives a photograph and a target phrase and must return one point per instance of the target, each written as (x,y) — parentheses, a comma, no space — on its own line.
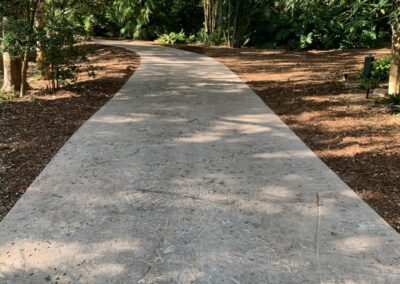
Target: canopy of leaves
(294,24)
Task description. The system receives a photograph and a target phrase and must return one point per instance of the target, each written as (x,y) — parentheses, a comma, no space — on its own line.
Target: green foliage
(381,69)
(306,40)
(18,33)
(88,24)
(292,24)
(172,38)
(191,39)
(216,38)
(4,97)
(393,102)
(317,24)
(200,36)
(181,38)
(146,19)
(379,73)
(56,43)
(17,36)
(56,40)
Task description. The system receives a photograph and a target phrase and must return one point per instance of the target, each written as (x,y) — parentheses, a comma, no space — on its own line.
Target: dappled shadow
(202,184)
(35,127)
(314,64)
(354,136)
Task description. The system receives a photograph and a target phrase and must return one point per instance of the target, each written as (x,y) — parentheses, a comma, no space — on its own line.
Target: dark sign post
(367,70)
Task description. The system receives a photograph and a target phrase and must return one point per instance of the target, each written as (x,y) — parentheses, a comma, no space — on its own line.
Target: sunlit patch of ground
(357,138)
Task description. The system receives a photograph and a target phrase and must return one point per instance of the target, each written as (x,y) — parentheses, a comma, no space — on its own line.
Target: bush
(192,39)
(215,38)
(56,52)
(380,73)
(381,69)
(392,101)
(172,38)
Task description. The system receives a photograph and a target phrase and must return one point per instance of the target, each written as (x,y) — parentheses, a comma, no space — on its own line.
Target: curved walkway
(185,176)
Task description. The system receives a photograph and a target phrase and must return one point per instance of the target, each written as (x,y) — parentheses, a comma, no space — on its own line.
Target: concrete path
(187,177)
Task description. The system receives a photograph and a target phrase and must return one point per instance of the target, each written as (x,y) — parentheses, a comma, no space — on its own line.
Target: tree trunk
(31,16)
(24,71)
(40,52)
(12,73)
(235,33)
(229,24)
(206,16)
(1,54)
(1,62)
(394,80)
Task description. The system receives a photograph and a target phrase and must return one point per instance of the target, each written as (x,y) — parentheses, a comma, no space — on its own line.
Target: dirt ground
(355,137)
(35,127)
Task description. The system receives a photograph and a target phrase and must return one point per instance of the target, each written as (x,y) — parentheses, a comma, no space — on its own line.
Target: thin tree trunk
(12,70)
(206,15)
(40,52)
(31,16)
(229,23)
(210,12)
(214,16)
(1,54)
(12,73)
(235,34)
(24,70)
(394,80)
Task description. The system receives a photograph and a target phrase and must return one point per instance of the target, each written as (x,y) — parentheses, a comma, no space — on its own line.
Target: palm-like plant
(130,15)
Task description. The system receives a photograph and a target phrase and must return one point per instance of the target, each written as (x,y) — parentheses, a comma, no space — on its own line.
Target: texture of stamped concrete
(186,176)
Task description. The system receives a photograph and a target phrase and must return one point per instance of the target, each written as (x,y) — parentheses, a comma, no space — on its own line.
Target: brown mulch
(355,137)
(35,127)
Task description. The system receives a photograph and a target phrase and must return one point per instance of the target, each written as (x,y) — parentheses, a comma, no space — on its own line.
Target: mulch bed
(35,127)
(355,137)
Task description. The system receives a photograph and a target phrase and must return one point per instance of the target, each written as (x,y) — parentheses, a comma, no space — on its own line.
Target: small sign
(368,66)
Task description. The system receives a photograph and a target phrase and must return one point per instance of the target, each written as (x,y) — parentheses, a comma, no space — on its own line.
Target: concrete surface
(186,176)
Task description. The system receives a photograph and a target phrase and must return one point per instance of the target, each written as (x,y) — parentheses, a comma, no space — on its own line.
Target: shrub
(171,38)
(306,41)
(192,39)
(200,36)
(379,73)
(392,101)
(381,69)
(57,51)
(215,38)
